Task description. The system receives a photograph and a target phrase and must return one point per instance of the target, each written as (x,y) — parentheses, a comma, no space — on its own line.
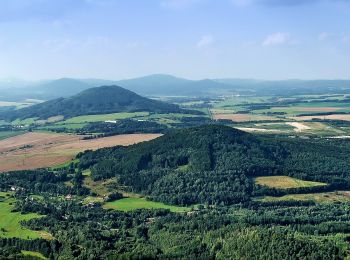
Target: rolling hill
(216,165)
(160,84)
(167,85)
(187,166)
(100,100)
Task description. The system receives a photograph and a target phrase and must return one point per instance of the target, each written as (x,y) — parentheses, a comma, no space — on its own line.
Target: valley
(259,168)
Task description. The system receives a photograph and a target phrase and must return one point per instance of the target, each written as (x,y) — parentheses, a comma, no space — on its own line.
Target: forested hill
(202,164)
(216,164)
(100,100)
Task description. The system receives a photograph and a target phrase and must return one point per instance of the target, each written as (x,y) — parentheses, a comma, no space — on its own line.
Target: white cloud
(205,41)
(279,38)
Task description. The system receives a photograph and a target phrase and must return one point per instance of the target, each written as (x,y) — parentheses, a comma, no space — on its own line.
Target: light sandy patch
(243,117)
(299,127)
(252,129)
(40,150)
(340,137)
(345,117)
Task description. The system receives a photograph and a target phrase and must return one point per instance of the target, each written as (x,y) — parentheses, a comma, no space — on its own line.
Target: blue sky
(115,39)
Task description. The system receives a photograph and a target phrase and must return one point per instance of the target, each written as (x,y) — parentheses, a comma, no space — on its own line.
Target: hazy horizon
(43,80)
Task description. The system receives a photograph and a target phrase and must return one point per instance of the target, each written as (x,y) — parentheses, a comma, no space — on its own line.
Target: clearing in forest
(129,204)
(285,182)
(10,222)
(336,196)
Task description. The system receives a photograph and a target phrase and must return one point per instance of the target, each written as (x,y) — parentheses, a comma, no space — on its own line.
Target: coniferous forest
(208,169)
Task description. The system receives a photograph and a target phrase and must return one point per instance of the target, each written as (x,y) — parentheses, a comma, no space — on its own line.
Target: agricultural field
(104,117)
(295,115)
(285,182)
(323,197)
(10,225)
(129,204)
(243,117)
(38,149)
(344,117)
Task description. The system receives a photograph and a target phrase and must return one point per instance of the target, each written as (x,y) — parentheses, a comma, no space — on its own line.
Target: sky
(196,39)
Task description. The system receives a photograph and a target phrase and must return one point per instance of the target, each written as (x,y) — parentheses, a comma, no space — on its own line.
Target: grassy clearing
(98,187)
(10,221)
(323,197)
(129,204)
(285,182)
(26,121)
(64,165)
(36,255)
(104,117)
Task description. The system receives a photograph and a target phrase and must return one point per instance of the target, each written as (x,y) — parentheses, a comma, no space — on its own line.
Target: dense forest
(211,169)
(215,164)
(297,230)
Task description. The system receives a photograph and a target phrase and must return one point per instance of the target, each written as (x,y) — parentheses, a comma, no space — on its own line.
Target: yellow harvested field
(345,117)
(285,182)
(243,117)
(336,196)
(39,150)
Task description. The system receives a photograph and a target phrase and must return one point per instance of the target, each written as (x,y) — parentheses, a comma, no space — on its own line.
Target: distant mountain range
(99,100)
(167,85)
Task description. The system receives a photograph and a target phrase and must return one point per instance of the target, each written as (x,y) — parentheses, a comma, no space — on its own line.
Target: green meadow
(104,117)
(35,255)
(10,222)
(8,134)
(129,204)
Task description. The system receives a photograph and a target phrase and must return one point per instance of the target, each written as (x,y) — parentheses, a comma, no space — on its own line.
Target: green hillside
(217,164)
(100,100)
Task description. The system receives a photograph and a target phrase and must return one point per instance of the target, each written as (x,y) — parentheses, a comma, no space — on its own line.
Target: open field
(298,127)
(344,117)
(337,196)
(285,182)
(295,110)
(243,117)
(98,187)
(10,221)
(104,117)
(36,255)
(38,150)
(129,204)
(261,130)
